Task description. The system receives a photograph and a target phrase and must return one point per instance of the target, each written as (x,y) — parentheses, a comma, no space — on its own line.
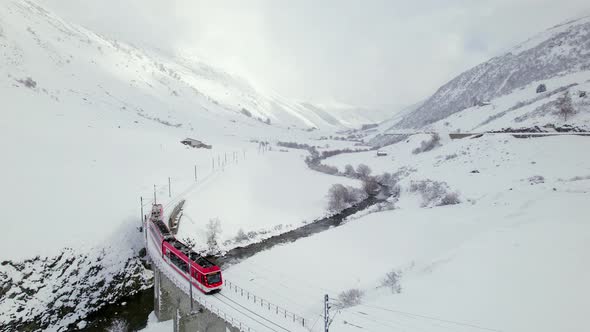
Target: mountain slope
(558,52)
(90,122)
(62,50)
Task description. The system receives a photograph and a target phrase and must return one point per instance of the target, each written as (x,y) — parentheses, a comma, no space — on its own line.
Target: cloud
(360,52)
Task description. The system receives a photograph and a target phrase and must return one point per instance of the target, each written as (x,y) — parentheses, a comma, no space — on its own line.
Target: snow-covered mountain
(502,92)
(56,55)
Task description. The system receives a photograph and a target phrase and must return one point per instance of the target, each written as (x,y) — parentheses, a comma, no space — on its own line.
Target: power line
(268,320)
(432,318)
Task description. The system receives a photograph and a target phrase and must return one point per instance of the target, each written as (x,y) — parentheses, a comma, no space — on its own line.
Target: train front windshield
(213,278)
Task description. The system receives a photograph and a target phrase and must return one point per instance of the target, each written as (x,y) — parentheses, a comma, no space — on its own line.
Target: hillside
(504,85)
(58,56)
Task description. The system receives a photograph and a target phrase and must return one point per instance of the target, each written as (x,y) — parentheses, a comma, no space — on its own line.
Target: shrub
(119,325)
(355,195)
(324,168)
(450,198)
(341,197)
(384,206)
(350,298)
(392,281)
(451,156)
(434,193)
(241,236)
(536,179)
(28,82)
(349,170)
(370,186)
(363,171)
(428,145)
(390,183)
(246,112)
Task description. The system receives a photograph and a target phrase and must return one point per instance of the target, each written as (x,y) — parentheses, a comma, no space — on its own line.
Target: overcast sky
(373,52)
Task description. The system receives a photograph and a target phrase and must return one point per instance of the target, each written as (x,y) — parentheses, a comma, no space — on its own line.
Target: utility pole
(154,194)
(169,189)
(195,173)
(141,203)
(213,160)
(190,287)
(326,313)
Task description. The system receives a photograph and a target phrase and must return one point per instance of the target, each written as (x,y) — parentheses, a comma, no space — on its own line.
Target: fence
(278,310)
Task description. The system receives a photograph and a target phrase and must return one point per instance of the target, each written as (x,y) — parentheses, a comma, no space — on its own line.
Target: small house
(195,143)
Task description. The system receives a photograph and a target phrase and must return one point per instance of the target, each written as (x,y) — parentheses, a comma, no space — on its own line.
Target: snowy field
(512,250)
(267,194)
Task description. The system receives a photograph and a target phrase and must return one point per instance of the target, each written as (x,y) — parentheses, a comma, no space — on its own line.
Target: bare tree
(391,280)
(350,298)
(565,106)
(341,197)
(213,231)
(363,171)
(337,197)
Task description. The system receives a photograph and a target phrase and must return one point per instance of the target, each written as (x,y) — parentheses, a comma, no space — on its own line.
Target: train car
(157,212)
(159,231)
(202,273)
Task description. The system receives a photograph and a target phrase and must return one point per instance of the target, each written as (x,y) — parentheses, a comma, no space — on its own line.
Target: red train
(203,274)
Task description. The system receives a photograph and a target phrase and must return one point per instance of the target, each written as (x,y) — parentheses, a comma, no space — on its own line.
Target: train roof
(193,256)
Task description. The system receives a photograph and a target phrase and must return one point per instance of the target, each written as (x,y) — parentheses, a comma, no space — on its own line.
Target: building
(195,143)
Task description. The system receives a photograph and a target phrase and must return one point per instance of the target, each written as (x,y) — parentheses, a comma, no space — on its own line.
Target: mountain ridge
(556,52)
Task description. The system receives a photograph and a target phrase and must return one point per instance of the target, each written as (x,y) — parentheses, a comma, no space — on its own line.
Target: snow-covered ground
(155,326)
(266,194)
(513,249)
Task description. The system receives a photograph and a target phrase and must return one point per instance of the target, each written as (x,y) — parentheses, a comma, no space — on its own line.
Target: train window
(213,278)
(182,265)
